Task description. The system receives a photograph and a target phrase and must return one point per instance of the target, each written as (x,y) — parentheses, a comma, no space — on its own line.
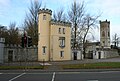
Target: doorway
(75,55)
(90,55)
(10,55)
(99,55)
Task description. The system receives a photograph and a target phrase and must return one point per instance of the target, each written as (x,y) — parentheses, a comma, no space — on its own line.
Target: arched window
(103,34)
(44,17)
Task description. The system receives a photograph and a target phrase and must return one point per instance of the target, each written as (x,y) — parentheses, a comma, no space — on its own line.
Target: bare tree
(82,24)
(59,15)
(13,34)
(31,21)
(76,14)
(116,40)
(89,23)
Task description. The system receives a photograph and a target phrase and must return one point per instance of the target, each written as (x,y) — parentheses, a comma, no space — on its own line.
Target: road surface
(60,76)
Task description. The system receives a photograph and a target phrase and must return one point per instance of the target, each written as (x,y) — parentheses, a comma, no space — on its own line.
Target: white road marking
(17,77)
(1,73)
(53,78)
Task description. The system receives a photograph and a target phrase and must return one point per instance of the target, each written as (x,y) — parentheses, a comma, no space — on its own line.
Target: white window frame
(62,42)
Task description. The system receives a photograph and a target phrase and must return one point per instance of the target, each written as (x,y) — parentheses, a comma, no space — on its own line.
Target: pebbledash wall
(14,53)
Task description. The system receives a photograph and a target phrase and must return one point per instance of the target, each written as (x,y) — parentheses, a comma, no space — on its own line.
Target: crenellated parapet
(106,21)
(17,46)
(45,11)
(62,23)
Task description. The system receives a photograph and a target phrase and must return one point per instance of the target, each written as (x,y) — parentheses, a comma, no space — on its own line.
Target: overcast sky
(15,10)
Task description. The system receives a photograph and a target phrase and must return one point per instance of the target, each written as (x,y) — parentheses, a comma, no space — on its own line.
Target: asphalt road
(61,76)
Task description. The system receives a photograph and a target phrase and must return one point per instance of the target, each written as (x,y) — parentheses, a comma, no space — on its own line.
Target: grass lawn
(101,65)
(20,67)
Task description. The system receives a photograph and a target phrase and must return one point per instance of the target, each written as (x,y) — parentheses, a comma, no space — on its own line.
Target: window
(59,31)
(44,49)
(63,30)
(108,34)
(62,42)
(61,54)
(103,42)
(44,17)
(103,34)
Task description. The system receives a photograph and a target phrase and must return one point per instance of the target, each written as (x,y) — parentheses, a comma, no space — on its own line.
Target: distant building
(105,34)
(102,49)
(94,51)
(54,38)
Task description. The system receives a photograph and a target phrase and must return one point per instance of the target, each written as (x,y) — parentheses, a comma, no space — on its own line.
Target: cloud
(108,7)
(4,3)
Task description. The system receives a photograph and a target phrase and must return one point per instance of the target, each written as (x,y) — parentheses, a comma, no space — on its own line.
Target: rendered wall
(55,43)
(44,37)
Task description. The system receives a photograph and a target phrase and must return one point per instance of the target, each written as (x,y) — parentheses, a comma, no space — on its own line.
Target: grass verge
(101,65)
(20,67)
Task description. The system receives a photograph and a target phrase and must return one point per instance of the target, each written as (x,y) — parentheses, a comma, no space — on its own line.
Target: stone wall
(1,52)
(105,53)
(14,53)
(111,53)
(2,40)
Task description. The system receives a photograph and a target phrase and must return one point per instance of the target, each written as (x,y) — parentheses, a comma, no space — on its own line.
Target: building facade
(54,38)
(105,34)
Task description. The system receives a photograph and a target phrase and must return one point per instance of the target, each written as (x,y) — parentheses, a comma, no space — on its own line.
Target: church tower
(44,34)
(105,34)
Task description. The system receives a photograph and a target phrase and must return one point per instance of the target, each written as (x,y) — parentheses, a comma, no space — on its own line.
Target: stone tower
(105,34)
(44,34)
